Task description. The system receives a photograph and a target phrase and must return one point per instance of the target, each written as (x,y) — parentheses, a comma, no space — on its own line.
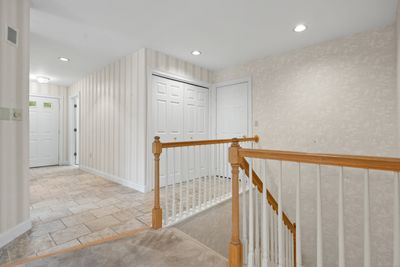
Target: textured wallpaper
(335,97)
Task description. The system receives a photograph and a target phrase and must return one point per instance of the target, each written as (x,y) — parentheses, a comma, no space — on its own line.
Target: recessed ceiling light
(300,28)
(63,59)
(196,53)
(42,79)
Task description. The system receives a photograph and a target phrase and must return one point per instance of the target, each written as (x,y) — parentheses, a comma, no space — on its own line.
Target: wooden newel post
(157,211)
(235,246)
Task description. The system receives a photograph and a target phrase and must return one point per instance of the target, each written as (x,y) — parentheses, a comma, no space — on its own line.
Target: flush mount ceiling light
(196,53)
(42,79)
(300,28)
(64,59)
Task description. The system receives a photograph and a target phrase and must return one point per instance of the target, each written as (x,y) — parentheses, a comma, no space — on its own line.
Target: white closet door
(168,97)
(44,131)
(232,110)
(196,125)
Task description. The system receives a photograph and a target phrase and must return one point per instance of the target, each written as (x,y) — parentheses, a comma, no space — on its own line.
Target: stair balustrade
(268,237)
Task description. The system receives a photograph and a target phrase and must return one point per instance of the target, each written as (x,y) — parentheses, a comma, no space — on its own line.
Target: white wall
(51,90)
(398,68)
(334,97)
(114,114)
(111,108)
(14,79)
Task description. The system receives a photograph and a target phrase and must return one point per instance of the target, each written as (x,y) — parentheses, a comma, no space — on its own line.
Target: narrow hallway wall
(14,84)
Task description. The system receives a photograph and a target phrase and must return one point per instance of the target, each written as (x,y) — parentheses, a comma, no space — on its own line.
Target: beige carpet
(164,248)
(211,227)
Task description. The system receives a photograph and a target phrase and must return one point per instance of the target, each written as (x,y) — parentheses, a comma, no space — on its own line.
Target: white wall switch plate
(16,114)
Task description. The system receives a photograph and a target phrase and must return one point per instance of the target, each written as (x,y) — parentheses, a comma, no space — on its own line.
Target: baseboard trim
(14,232)
(114,178)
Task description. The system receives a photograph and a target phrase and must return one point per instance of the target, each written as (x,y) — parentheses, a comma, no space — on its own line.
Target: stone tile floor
(71,207)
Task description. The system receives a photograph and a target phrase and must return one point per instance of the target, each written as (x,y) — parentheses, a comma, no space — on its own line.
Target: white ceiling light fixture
(300,28)
(196,53)
(64,59)
(42,79)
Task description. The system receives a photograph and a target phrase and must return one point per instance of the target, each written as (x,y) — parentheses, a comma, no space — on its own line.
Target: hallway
(70,207)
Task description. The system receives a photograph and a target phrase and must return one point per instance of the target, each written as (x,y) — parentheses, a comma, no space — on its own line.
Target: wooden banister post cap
(256,138)
(157,146)
(234,158)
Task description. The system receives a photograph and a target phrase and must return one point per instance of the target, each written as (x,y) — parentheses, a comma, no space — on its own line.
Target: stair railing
(189,177)
(282,251)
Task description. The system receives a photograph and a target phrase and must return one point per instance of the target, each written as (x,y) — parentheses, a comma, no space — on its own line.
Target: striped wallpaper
(113,114)
(14,73)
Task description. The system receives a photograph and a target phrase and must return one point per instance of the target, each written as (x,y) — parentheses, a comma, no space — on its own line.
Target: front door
(44,131)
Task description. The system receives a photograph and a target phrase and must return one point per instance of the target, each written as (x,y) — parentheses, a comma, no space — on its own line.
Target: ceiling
(93,33)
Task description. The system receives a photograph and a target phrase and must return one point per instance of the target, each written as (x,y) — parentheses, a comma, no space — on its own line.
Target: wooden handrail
(364,162)
(209,142)
(157,148)
(244,165)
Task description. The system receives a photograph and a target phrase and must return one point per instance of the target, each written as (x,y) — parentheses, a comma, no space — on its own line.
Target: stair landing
(166,247)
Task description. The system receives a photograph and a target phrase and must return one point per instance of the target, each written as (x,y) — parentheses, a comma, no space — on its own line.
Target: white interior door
(181,113)
(44,131)
(196,127)
(168,110)
(232,108)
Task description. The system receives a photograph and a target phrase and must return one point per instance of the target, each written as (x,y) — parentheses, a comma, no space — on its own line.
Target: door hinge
(75,154)
(75,105)
(75,130)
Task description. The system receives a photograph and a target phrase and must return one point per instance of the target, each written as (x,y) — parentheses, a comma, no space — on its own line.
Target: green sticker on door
(47,105)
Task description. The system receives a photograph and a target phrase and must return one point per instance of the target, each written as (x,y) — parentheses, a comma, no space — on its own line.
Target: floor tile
(107,232)
(70,233)
(100,212)
(101,223)
(45,228)
(78,219)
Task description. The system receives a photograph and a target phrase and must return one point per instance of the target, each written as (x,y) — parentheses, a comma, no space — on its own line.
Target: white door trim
(213,104)
(70,126)
(150,127)
(60,125)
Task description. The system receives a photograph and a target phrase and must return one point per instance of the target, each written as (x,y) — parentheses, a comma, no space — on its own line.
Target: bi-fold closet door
(181,113)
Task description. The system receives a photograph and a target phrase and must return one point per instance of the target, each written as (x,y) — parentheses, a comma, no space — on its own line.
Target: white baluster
(244,216)
(265,219)
(298,219)
(180,184)
(194,181)
(286,247)
(166,188)
(319,220)
(199,178)
(187,167)
(215,166)
(281,261)
(396,221)
(209,158)
(367,244)
(341,220)
(251,219)
(219,172)
(224,164)
(276,220)
(173,183)
(257,226)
